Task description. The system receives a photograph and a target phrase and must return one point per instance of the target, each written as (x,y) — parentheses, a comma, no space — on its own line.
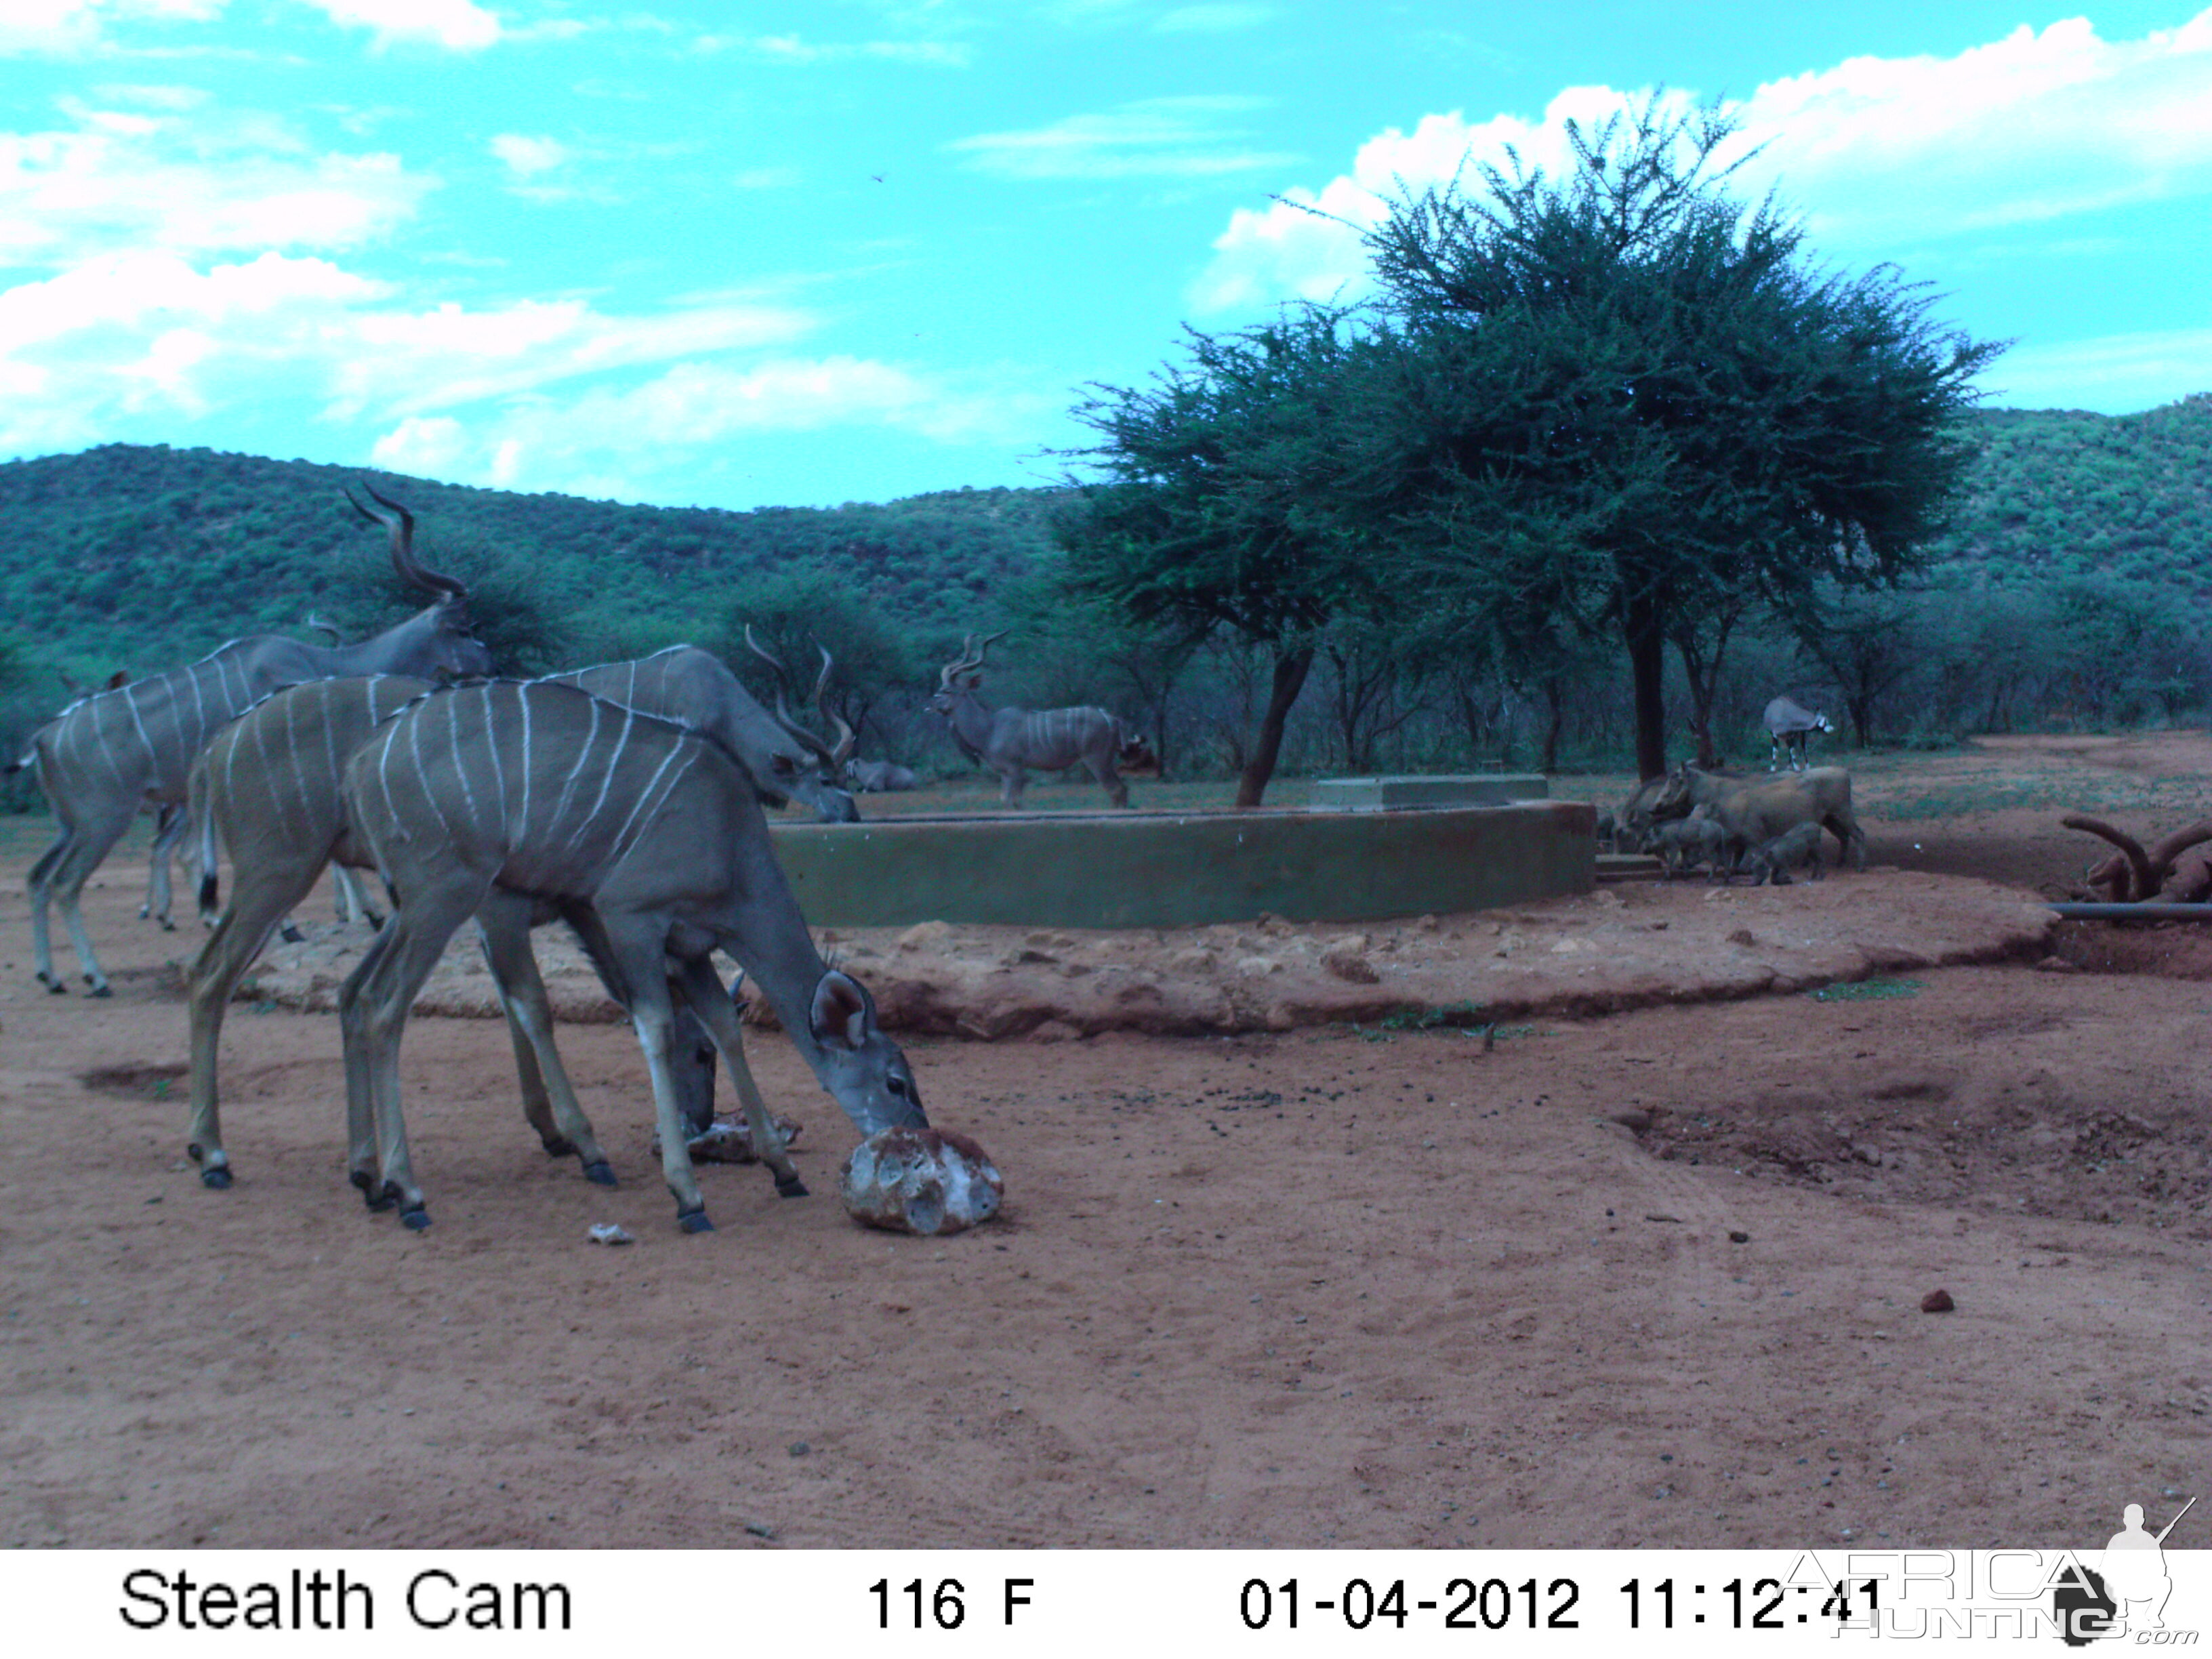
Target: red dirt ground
(1646,1278)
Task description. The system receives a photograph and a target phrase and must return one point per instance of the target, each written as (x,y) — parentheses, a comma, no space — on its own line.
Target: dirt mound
(1623,947)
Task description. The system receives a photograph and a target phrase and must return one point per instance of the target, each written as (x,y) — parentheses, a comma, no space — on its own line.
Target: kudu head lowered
(435,643)
(821,786)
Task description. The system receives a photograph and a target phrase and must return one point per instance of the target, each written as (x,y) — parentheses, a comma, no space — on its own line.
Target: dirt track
(1337,1285)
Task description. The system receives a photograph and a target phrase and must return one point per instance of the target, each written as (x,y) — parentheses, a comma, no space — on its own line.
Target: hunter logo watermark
(2119,1594)
(2127,1596)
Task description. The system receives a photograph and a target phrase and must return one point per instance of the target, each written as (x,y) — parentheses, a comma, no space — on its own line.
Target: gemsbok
(1012,742)
(121,750)
(648,837)
(1789,727)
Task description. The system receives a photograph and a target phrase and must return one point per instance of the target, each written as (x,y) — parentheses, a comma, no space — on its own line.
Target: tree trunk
(1290,678)
(1647,661)
(1704,675)
(1555,698)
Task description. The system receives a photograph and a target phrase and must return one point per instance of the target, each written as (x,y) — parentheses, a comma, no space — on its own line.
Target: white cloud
(187,182)
(1177,136)
(607,433)
(142,333)
(130,333)
(70,27)
(411,361)
(456,25)
(791,49)
(2114,374)
(1877,154)
(525,157)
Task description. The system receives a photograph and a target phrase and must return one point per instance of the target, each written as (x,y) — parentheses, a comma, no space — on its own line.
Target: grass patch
(1869,990)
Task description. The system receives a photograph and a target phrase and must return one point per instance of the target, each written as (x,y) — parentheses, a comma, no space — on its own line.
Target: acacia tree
(1626,393)
(1223,504)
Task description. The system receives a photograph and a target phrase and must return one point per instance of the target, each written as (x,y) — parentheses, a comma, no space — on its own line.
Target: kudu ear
(841,1014)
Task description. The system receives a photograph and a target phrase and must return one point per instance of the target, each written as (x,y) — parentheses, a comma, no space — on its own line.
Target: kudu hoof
(793,1188)
(290,934)
(601,1174)
(694,1221)
(168,927)
(101,990)
(54,986)
(377,1197)
(218,1178)
(415,1219)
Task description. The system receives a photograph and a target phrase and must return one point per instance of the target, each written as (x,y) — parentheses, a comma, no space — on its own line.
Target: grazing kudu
(1789,725)
(1013,741)
(268,787)
(647,837)
(122,749)
(787,762)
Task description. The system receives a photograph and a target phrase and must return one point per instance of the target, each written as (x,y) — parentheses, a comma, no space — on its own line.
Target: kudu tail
(210,885)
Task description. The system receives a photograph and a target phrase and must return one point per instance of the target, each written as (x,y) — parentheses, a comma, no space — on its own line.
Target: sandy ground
(1645,1276)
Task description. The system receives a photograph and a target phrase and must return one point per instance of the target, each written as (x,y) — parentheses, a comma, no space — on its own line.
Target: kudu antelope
(268,789)
(122,749)
(831,758)
(168,820)
(1013,741)
(647,836)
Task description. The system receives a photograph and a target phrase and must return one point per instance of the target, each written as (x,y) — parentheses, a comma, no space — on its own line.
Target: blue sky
(741,255)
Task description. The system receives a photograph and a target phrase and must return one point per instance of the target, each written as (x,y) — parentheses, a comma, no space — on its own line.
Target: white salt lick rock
(920,1180)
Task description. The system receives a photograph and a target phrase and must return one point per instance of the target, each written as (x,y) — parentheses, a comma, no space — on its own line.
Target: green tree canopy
(1625,395)
(1225,502)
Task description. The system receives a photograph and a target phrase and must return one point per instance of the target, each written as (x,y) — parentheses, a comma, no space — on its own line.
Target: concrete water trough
(1150,869)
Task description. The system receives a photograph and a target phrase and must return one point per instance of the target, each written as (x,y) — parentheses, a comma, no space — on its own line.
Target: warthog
(1682,844)
(1772,861)
(1753,812)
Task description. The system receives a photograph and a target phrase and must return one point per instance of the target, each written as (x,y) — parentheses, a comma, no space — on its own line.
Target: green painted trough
(1186,869)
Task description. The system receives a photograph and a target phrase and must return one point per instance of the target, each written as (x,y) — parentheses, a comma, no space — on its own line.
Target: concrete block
(1185,869)
(1385,794)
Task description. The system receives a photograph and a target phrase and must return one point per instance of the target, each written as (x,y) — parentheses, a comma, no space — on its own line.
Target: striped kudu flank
(268,788)
(123,750)
(1013,741)
(683,683)
(648,837)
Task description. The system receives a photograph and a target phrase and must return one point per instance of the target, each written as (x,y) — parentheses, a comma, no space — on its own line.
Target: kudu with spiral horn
(1013,741)
(646,836)
(120,750)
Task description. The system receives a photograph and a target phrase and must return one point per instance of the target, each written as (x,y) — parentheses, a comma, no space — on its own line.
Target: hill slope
(138,556)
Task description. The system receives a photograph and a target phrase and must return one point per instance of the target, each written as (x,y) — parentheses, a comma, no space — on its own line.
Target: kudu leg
(373,1009)
(168,830)
(1109,780)
(256,906)
(81,851)
(632,956)
(709,1001)
(503,926)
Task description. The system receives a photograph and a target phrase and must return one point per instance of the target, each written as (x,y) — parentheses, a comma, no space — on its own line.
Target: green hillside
(142,557)
(2063,493)
(2069,590)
